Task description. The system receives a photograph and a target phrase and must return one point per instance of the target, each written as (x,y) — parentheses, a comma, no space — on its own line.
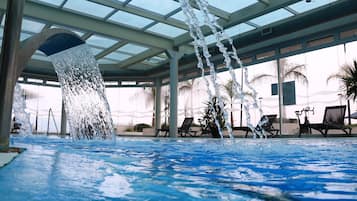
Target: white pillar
(280,92)
(174,58)
(157,104)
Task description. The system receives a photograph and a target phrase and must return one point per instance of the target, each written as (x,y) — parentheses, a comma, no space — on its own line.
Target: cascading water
(83,90)
(19,110)
(202,52)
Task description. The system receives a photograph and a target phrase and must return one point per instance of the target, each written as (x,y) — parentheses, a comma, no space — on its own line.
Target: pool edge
(7,157)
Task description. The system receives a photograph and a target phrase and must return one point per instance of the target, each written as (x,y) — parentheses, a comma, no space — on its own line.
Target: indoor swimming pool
(181,169)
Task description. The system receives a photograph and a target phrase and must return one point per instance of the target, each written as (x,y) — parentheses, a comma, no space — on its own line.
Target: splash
(83,90)
(19,110)
(202,54)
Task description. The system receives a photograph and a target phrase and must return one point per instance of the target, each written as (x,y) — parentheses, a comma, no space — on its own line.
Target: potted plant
(212,112)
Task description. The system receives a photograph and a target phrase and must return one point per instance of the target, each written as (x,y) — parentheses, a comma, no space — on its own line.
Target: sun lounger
(333,120)
(184,130)
(267,126)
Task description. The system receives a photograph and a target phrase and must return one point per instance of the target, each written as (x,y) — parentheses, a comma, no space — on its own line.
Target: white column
(174,58)
(157,104)
(280,92)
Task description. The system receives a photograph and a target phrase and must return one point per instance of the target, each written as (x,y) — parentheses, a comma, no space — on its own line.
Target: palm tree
(348,78)
(228,88)
(287,71)
(149,94)
(186,87)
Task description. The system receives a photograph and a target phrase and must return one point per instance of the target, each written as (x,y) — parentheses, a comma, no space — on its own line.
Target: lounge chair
(267,126)
(333,120)
(183,131)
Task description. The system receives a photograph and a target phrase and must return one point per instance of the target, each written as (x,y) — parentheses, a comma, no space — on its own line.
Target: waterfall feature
(19,110)
(83,91)
(230,56)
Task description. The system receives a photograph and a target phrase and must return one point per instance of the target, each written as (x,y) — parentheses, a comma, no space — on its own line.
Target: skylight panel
(238,29)
(24,36)
(210,39)
(40,57)
(154,60)
(56,3)
(130,19)
(166,30)
(303,6)
(88,7)
(117,56)
(100,41)
(32,26)
(231,5)
(162,7)
(79,33)
(133,49)
(181,16)
(39,52)
(96,50)
(163,56)
(271,17)
(106,61)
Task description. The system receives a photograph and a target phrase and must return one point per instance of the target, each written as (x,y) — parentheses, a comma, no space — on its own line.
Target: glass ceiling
(159,20)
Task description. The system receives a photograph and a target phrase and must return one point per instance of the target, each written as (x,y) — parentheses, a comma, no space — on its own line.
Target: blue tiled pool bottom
(190,169)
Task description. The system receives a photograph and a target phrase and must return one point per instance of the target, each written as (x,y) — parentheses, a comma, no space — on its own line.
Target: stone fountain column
(8,68)
(15,56)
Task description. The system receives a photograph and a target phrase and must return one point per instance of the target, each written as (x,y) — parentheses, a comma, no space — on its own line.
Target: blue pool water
(189,169)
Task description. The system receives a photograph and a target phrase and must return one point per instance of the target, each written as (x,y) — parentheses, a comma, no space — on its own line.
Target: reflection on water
(115,186)
(144,169)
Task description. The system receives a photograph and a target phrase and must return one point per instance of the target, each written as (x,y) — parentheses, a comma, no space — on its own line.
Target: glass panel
(100,41)
(181,16)
(32,26)
(34,80)
(231,5)
(24,36)
(166,30)
(106,61)
(117,56)
(154,60)
(1,32)
(53,83)
(111,83)
(96,50)
(261,77)
(40,57)
(272,17)
(79,33)
(210,39)
(133,49)
(163,55)
(88,8)
(130,19)
(304,6)
(320,90)
(238,29)
(50,2)
(40,53)
(162,7)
